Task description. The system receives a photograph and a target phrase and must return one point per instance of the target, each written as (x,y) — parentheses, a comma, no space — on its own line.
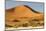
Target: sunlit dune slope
(20,12)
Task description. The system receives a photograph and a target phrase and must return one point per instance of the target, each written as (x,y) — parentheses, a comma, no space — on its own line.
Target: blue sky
(38,6)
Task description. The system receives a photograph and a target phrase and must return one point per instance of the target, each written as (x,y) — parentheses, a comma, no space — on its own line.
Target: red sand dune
(21,11)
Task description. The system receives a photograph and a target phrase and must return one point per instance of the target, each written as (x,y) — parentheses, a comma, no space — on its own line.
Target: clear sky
(35,5)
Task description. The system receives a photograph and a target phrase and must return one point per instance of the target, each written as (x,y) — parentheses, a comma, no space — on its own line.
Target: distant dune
(22,13)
